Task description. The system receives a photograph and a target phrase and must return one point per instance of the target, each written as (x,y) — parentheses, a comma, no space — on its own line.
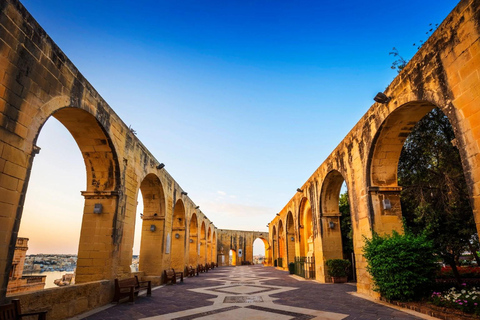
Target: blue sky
(242,100)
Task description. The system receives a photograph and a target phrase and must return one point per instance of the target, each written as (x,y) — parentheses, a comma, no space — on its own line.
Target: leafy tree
(346,225)
(434,196)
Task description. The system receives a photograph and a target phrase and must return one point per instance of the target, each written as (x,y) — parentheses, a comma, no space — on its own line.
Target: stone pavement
(252,292)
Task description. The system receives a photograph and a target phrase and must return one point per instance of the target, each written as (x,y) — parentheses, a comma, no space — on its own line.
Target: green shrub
(402,267)
(337,267)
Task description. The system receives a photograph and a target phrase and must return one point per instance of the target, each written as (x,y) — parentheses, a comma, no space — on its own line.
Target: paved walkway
(252,292)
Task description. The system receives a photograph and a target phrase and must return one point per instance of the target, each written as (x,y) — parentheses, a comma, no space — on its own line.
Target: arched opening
(178,237)
(232,258)
(214,247)
(417,173)
(274,246)
(305,228)
(209,245)
(331,219)
(202,245)
(260,246)
(193,241)
(153,226)
(101,172)
(281,245)
(290,240)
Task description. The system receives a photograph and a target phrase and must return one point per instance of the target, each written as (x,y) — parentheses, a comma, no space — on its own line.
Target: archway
(214,247)
(102,172)
(423,180)
(274,245)
(232,261)
(281,245)
(305,228)
(209,245)
(178,237)
(153,226)
(290,239)
(330,218)
(193,241)
(202,248)
(260,247)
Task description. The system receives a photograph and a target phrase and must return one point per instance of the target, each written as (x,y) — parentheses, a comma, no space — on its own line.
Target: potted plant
(337,270)
(291,267)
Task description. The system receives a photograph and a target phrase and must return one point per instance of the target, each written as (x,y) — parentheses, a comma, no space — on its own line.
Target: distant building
(17,282)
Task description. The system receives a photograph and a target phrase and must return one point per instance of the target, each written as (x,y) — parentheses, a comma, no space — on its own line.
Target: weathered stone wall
(444,74)
(239,240)
(37,81)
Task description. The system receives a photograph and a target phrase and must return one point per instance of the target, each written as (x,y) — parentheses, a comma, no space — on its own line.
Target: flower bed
(466,299)
(465,272)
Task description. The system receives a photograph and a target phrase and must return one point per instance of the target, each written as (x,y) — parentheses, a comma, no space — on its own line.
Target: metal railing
(305,267)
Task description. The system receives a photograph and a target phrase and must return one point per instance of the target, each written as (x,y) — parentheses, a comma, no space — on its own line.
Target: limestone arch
(290,238)
(153,226)
(281,244)
(329,223)
(266,246)
(209,245)
(193,241)
(214,247)
(232,257)
(102,185)
(202,250)
(274,243)
(305,227)
(177,254)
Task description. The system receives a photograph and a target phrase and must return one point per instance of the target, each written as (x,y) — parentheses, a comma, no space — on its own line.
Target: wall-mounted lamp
(331,224)
(179,220)
(161,166)
(184,193)
(197,207)
(177,236)
(387,205)
(191,240)
(278,214)
(292,238)
(98,208)
(155,214)
(153,228)
(382,98)
(211,222)
(299,190)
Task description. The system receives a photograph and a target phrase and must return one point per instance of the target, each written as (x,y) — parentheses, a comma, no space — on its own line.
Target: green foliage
(398,64)
(434,198)
(346,224)
(402,266)
(337,267)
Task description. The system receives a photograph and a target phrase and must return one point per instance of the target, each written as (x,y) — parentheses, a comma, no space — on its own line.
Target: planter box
(339,279)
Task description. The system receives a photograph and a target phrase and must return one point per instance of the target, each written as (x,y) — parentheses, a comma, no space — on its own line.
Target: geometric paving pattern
(250,292)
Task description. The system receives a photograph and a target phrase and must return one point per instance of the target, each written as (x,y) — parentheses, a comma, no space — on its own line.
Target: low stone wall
(65,302)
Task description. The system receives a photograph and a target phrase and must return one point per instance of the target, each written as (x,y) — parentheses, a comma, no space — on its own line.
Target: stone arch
(382,164)
(281,243)
(153,226)
(266,245)
(178,237)
(193,241)
(209,245)
(290,238)
(305,227)
(329,223)
(233,261)
(214,247)
(274,243)
(202,245)
(102,185)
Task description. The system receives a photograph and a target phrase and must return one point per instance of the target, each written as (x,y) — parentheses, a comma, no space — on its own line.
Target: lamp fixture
(179,220)
(278,214)
(177,235)
(153,228)
(191,240)
(292,238)
(331,224)
(382,98)
(197,207)
(184,193)
(161,166)
(299,190)
(387,205)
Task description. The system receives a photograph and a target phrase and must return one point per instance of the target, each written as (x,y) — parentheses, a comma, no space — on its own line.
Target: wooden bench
(12,311)
(191,271)
(172,276)
(130,288)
